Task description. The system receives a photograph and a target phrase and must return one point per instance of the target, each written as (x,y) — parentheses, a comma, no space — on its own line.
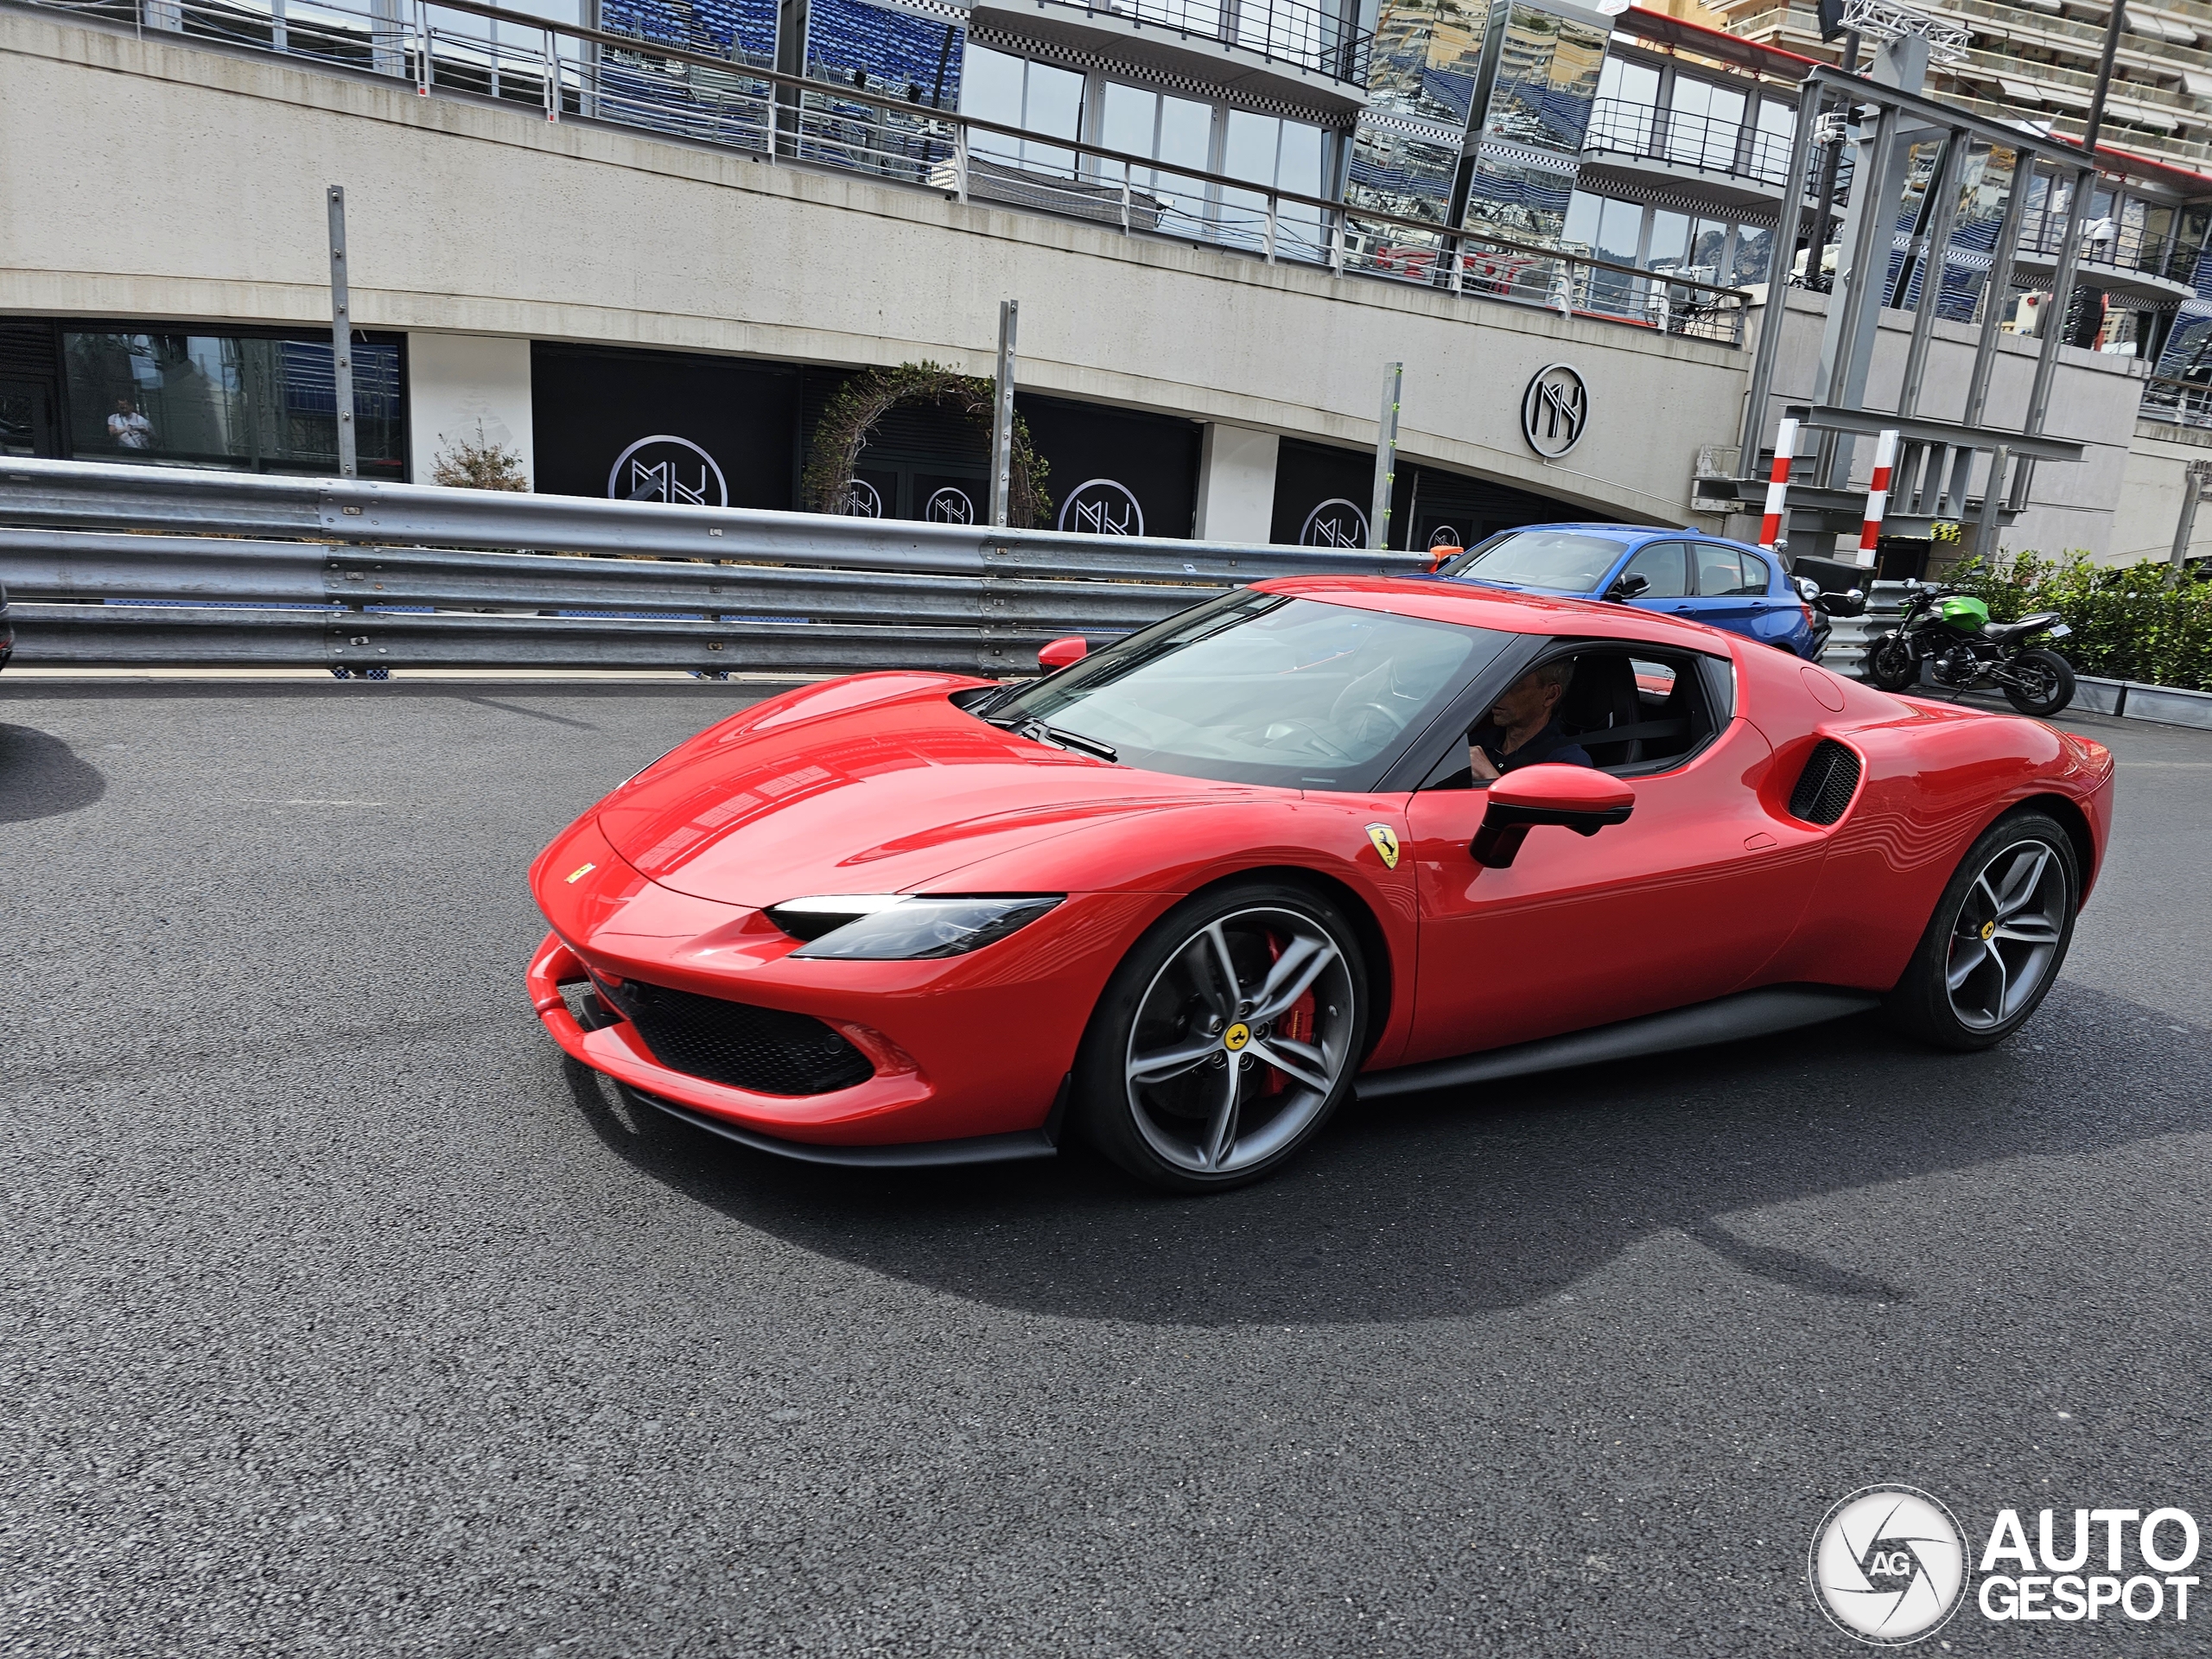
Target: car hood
(872,785)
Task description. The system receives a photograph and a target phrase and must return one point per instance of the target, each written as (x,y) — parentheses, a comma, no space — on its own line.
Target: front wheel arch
(1374,944)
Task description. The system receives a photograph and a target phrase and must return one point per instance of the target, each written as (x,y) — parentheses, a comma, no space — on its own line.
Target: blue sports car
(1701,578)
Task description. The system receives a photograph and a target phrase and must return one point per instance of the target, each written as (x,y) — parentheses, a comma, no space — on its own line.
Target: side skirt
(1725,1020)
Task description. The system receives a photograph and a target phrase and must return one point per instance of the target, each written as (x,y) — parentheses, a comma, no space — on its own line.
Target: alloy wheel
(1240,1039)
(2006,941)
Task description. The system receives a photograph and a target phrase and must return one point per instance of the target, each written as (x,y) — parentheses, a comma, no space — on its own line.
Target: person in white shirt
(128,428)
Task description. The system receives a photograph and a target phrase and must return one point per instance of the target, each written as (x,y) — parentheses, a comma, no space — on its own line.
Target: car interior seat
(1601,698)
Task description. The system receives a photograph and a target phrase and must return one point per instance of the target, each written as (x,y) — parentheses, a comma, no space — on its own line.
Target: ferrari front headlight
(905,927)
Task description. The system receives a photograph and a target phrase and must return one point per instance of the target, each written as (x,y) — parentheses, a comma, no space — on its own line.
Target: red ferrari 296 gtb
(1187,895)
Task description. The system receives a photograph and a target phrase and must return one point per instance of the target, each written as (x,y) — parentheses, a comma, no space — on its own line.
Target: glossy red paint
(878,784)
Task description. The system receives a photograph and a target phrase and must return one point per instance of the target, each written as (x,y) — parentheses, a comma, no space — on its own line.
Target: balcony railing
(2181,403)
(1295,32)
(2129,247)
(1621,126)
(562,71)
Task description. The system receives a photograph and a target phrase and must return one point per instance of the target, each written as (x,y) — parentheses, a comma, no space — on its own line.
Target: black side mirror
(1851,604)
(1574,797)
(1628,587)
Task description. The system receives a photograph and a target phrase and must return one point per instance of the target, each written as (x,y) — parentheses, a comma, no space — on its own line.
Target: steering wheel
(1272,734)
(1371,725)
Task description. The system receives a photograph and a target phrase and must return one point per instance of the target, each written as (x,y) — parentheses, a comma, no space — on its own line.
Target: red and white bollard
(1877,496)
(1777,489)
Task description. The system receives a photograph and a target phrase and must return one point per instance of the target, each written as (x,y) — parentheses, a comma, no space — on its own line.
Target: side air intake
(1825,787)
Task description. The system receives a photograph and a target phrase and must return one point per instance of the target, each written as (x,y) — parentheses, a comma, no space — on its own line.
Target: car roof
(1634,532)
(1505,610)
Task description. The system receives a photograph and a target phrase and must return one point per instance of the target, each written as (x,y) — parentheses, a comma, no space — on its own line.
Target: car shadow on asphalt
(41,776)
(1464,1201)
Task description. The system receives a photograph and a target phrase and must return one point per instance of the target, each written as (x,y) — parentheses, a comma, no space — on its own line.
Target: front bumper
(969,1049)
(747,1118)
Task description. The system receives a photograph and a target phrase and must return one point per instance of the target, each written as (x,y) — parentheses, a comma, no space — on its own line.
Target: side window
(1630,710)
(1758,573)
(1635,713)
(1723,572)
(1665,566)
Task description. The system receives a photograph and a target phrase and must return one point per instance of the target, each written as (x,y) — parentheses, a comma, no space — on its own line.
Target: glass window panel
(1185,133)
(1754,245)
(257,405)
(1301,166)
(1664,566)
(1670,236)
(1249,146)
(1724,120)
(1620,225)
(1126,116)
(1582,210)
(1777,130)
(1722,572)
(990,90)
(1052,103)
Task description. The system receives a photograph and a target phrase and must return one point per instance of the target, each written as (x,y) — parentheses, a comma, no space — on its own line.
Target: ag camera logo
(1888,1565)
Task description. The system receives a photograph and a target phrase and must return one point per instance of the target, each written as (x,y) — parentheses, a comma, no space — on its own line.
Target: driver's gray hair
(1560,672)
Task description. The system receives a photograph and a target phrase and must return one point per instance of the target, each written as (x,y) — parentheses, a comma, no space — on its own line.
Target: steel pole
(341,339)
(2062,289)
(1780,255)
(1935,241)
(2095,124)
(1002,416)
(1386,457)
(2192,492)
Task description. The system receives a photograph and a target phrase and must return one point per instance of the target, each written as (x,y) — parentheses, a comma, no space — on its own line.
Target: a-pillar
(1236,485)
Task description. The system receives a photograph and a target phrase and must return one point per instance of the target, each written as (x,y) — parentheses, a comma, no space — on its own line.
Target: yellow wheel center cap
(1236,1037)
(1989,928)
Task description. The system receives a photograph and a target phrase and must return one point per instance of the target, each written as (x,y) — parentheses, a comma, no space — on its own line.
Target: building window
(1038,98)
(1703,121)
(252,404)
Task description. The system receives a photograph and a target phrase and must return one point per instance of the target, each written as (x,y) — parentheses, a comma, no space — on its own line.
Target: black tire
(1890,665)
(1971,917)
(1167,1005)
(2056,675)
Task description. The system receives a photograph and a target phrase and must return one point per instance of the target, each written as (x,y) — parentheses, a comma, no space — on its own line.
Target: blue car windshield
(1262,688)
(1560,560)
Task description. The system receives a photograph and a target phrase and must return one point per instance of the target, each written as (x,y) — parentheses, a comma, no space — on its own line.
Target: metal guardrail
(1849,636)
(110,565)
(558,70)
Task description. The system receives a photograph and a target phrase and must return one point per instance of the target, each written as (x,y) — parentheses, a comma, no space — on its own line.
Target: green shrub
(2127,623)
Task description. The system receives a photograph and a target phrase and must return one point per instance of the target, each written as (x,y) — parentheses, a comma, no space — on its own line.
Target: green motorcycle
(1949,632)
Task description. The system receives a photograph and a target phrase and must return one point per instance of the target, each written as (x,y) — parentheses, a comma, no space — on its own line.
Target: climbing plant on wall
(865,399)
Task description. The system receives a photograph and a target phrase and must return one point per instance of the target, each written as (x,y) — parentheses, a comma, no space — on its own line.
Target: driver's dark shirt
(1550,744)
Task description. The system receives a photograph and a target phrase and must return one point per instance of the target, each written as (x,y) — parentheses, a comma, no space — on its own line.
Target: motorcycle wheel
(1890,663)
(2055,682)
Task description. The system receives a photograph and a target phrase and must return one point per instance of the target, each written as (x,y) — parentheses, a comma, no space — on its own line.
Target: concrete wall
(2092,401)
(2150,496)
(207,203)
(466,389)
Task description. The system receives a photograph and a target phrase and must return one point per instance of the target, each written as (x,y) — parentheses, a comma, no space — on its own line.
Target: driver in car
(1522,727)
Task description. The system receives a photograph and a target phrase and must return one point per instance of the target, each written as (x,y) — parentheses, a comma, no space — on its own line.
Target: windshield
(1557,559)
(1263,688)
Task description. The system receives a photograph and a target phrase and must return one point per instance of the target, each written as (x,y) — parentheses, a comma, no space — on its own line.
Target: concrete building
(641,267)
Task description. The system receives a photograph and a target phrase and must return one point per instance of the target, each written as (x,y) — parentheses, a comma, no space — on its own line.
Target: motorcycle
(1949,630)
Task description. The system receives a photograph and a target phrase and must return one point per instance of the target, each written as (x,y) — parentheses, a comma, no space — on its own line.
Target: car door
(1665,567)
(1682,903)
(1730,587)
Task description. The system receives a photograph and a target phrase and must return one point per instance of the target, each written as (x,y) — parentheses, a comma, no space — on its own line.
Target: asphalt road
(342,1317)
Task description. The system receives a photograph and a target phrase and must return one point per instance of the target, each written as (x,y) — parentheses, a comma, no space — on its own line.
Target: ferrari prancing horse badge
(1386,842)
